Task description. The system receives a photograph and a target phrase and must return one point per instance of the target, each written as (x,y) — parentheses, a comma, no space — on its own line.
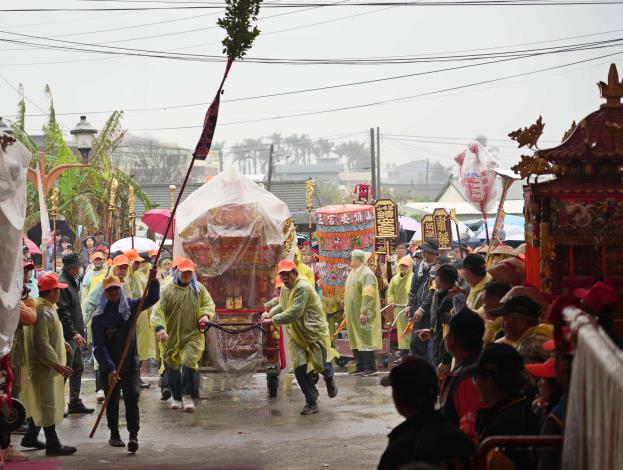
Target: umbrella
(511,233)
(157,220)
(140,244)
(508,221)
(34,249)
(408,223)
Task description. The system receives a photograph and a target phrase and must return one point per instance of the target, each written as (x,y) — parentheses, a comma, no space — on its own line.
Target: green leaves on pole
(239,16)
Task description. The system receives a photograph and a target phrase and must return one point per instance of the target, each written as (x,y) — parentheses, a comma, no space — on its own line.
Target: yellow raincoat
(300,309)
(179,311)
(304,271)
(398,293)
(361,295)
(42,386)
(134,285)
(474,298)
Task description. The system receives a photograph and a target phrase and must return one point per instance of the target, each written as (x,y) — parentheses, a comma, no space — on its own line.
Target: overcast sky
(89,83)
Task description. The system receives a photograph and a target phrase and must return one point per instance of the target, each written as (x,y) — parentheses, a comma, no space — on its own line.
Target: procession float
(236,232)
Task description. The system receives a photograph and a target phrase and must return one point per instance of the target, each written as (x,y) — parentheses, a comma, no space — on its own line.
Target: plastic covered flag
(477,176)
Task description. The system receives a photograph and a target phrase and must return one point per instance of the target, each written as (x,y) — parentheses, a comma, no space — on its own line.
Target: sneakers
(310,410)
(175,405)
(115,441)
(60,451)
(356,373)
(331,387)
(188,404)
(165,394)
(143,385)
(14,455)
(36,444)
(369,373)
(100,396)
(133,443)
(77,407)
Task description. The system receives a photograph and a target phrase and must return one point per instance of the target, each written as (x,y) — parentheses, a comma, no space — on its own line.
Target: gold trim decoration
(569,131)
(288,229)
(114,186)
(616,132)
(612,91)
(529,136)
(548,256)
(54,198)
(533,166)
(309,194)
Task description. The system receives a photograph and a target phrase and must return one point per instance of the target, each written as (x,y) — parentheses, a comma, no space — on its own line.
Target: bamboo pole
(114,185)
(132,213)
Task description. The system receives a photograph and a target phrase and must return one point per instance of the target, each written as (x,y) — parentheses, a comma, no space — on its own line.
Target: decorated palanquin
(236,232)
(340,230)
(574,205)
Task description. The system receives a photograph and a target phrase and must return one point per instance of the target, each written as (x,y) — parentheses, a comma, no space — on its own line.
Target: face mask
(81,272)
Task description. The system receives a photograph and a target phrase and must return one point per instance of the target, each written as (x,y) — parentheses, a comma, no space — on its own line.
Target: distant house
(326,170)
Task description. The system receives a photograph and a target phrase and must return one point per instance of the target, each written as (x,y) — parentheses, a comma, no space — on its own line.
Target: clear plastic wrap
(477,176)
(235,231)
(14,159)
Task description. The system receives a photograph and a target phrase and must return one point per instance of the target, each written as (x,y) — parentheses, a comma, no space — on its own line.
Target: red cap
(176,261)
(545,369)
(49,282)
(285,266)
(598,299)
(186,265)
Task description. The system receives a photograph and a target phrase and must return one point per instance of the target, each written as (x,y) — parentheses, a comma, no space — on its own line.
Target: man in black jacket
(421,296)
(425,436)
(70,314)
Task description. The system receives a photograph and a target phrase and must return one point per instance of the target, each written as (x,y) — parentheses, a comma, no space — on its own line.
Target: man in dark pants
(111,327)
(421,296)
(70,314)
(300,308)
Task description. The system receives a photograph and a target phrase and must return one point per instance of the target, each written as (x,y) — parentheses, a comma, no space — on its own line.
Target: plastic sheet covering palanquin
(14,159)
(234,230)
(236,356)
(477,177)
(594,419)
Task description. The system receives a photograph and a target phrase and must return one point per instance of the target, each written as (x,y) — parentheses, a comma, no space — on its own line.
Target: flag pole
(54,198)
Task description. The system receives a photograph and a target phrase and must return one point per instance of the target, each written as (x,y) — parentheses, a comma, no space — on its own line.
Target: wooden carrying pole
(114,185)
(309,202)
(132,214)
(54,213)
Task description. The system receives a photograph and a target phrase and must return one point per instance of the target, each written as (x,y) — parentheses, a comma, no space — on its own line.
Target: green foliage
(330,193)
(239,14)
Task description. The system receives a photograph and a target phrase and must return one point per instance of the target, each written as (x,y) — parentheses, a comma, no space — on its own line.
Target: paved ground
(244,429)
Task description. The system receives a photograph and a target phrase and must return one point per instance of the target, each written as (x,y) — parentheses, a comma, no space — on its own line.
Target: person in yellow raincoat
(300,309)
(362,311)
(43,381)
(185,306)
(304,270)
(398,294)
(134,285)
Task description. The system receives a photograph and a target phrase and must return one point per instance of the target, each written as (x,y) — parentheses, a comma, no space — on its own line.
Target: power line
(395,100)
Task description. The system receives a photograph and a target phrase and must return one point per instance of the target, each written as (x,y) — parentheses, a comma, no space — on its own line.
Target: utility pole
(372,164)
(427,162)
(270,166)
(378,162)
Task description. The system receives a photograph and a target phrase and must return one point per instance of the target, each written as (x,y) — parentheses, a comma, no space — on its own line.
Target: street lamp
(84,135)
(4,127)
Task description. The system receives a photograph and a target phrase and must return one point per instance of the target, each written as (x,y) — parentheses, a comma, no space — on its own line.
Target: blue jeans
(306,380)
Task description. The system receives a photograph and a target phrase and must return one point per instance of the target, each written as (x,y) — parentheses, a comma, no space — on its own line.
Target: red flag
(209,123)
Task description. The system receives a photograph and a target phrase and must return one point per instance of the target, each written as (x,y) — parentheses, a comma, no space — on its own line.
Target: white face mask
(81,272)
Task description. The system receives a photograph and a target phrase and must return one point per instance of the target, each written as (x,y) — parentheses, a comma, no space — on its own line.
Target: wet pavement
(243,429)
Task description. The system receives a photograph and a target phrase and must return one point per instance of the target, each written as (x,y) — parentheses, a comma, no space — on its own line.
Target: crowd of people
(474,350)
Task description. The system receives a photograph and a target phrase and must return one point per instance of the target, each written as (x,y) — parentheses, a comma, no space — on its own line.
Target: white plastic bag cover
(477,177)
(14,161)
(233,229)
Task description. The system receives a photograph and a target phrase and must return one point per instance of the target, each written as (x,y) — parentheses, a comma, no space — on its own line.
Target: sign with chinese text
(385,246)
(428,227)
(386,219)
(443,230)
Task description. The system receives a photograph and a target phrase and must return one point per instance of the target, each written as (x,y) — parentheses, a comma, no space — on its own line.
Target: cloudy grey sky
(415,128)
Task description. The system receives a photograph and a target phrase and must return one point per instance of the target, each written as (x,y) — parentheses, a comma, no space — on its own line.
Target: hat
(97,254)
(405,261)
(430,246)
(527,291)
(503,249)
(482,249)
(71,260)
(510,270)
(358,254)
(49,282)
(28,264)
(91,237)
(101,248)
(500,360)
(120,260)
(521,304)
(414,376)
(418,254)
(601,298)
(133,255)
(458,264)
(285,266)
(186,265)
(176,261)
(112,281)
(152,252)
(544,370)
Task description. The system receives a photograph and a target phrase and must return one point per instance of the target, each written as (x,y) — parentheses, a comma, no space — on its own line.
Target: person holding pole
(184,306)
(398,295)
(111,326)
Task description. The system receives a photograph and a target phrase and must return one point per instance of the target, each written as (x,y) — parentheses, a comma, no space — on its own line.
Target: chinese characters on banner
(437,226)
(385,226)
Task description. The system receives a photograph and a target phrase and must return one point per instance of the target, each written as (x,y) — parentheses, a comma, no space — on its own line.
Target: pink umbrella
(34,249)
(157,220)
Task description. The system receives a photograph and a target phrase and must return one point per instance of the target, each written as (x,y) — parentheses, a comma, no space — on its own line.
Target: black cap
(458,264)
(467,324)
(414,375)
(521,304)
(71,260)
(418,254)
(430,246)
(500,361)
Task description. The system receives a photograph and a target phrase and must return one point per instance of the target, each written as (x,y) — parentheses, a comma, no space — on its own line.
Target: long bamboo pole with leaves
(238,23)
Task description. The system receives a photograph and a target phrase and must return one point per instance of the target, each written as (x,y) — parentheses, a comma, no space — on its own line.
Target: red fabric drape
(533,266)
